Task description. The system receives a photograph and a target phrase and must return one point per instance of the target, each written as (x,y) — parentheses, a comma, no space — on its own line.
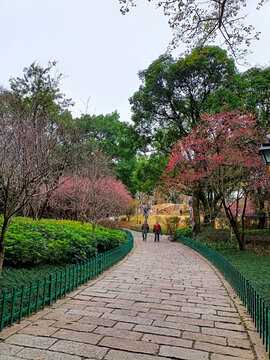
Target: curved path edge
(163,301)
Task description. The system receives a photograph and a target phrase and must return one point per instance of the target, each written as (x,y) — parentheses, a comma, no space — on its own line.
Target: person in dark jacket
(145,230)
(157,231)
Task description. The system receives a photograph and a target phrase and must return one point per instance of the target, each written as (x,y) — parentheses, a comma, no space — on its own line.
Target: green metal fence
(30,299)
(256,306)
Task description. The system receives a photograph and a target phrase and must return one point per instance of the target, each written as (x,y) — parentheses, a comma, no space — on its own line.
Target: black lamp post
(264,151)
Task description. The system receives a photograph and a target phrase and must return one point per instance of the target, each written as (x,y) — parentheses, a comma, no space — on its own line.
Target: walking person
(145,230)
(157,231)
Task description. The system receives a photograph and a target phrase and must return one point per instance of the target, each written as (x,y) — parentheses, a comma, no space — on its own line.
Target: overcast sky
(99,50)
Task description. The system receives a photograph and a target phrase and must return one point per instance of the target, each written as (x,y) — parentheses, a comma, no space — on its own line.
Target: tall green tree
(149,171)
(174,93)
(114,138)
(253,88)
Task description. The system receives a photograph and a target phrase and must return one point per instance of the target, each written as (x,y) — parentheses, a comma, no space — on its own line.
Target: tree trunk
(44,205)
(239,236)
(196,212)
(2,243)
(262,215)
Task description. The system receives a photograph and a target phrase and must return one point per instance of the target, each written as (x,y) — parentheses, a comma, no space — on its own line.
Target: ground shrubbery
(184,232)
(171,223)
(30,242)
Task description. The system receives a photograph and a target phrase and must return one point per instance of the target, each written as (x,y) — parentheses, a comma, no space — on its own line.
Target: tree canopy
(174,93)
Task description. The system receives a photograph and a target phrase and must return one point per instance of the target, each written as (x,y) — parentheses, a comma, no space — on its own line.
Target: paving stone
(224,333)
(7,349)
(157,330)
(198,322)
(79,349)
(198,310)
(124,334)
(157,306)
(9,357)
(235,327)
(13,330)
(245,344)
(120,304)
(81,312)
(74,326)
(223,319)
(129,345)
(206,338)
(63,317)
(225,350)
(31,341)
(124,326)
(36,354)
(153,316)
(80,296)
(125,312)
(96,321)
(40,331)
(183,353)
(131,319)
(123,355)
(227,313)
(80,336)
(176,325)
(226,357)
(94,293)
(176,313)
(98,309)
(166,340)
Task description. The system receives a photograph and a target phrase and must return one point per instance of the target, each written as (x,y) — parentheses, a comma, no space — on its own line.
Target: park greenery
(196,128)
(35,248)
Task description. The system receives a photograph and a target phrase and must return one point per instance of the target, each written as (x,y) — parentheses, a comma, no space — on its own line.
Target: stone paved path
(163,302)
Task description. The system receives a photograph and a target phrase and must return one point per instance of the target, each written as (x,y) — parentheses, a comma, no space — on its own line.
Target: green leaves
(30,242)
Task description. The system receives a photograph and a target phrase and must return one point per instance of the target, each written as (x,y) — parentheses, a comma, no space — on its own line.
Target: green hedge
(183,232)
(30,242)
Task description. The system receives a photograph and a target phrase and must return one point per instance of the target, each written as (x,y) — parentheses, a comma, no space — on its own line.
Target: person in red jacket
(145,230)
(157,231)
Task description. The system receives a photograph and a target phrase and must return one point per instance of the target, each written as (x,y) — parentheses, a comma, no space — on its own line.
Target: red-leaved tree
(221,153)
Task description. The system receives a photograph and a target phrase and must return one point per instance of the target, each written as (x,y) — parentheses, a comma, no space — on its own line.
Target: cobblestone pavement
(163,302)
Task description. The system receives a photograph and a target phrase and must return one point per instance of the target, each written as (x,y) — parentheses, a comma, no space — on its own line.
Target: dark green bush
(107,240)
(30,242)
(183,232)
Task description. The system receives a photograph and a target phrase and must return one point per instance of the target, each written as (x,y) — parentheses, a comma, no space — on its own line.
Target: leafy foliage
(30,242)
(222,153)
(174,93)
(187,232)
(171,223)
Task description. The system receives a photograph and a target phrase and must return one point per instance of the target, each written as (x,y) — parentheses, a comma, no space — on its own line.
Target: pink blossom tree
(221,153)
(91,200)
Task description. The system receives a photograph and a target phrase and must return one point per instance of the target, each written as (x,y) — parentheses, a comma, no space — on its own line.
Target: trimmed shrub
(30,242)
(183,232)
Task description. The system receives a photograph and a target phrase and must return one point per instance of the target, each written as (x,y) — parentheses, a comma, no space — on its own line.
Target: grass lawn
(15,277)
(254,267)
